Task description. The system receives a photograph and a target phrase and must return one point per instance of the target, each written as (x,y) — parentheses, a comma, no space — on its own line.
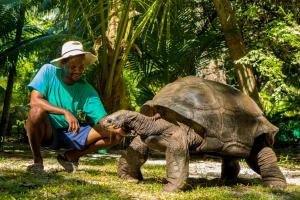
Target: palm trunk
(110,84)
(11,76)
(234,40)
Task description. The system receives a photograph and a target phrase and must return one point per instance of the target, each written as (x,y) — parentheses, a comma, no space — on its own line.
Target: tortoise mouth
(126,132)
(110,127)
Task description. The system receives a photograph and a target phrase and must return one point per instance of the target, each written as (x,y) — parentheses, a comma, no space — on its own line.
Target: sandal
(69,166)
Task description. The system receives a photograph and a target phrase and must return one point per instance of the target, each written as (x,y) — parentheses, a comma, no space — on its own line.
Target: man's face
(75,67)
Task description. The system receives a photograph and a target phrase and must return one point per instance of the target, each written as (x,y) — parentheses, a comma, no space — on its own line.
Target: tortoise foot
(276,184)
(135,177)
(171,188)
(130,178)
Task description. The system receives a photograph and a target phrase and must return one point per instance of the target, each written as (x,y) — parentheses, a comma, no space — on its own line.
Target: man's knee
(36,116)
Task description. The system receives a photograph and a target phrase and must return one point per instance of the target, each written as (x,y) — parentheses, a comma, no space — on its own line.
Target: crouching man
(59,99)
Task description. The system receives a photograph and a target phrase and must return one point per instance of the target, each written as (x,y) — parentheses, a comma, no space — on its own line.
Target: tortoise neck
(146,126)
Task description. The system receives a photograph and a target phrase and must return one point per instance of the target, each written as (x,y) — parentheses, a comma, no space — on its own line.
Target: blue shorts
(62,139)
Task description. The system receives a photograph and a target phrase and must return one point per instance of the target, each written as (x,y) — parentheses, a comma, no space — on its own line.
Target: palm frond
(8,23)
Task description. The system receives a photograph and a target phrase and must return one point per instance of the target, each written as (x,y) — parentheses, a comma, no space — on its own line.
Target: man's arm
(38,100)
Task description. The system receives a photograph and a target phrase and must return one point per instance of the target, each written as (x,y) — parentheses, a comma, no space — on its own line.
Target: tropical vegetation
(143,45)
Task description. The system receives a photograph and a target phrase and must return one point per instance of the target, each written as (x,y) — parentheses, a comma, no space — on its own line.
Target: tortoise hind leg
(264,161)
(130,162)
(230,168)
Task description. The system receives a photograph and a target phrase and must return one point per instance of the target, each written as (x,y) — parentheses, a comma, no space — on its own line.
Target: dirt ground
(212,169)
(207,168)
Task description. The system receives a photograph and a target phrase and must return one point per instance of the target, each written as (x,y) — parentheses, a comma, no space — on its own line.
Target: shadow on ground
(19,185)
(203,182)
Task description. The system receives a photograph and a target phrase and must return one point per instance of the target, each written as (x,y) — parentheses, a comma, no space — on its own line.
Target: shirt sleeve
(40,81)
(93,107)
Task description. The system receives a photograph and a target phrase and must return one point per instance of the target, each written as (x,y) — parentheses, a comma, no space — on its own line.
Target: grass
(97,179)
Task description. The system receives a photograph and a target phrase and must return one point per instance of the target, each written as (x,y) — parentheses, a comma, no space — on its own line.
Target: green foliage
(25,71)
(8,24)
(172,39)
(290,131)
(190,44)
(30,51)
(2,94)
(279,83)
(273,38)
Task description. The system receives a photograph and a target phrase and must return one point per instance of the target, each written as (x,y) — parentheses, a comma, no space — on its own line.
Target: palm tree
(18,39)
(192,43)
(235,42)
(114,26)
(12,72)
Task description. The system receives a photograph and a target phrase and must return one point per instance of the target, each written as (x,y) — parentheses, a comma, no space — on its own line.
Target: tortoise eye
(109,121)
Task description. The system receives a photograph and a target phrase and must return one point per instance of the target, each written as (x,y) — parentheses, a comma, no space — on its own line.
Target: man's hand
(72,121)
(119,133)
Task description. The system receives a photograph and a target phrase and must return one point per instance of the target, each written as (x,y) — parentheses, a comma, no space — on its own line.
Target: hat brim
(88,60)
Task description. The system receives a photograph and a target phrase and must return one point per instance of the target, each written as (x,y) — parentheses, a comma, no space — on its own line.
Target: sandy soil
(211,169)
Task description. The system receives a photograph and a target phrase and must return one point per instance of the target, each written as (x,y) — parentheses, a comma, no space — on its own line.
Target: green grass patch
(287,161)
(97,179)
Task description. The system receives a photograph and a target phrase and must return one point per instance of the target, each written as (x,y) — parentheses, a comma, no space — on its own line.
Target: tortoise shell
(231,120)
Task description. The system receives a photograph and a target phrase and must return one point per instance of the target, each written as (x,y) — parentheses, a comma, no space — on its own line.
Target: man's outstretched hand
(118,133)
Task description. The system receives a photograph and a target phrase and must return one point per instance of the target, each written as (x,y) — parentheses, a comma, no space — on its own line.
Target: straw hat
(74,48)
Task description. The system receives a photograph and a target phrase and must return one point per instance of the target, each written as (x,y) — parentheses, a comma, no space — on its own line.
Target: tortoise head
(120,119)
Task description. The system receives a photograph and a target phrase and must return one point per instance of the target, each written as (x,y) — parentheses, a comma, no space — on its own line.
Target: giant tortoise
(204,117)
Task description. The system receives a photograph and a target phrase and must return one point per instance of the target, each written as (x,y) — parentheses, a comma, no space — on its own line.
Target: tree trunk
(11,76)
(212,71)
(235,42)
(112,88)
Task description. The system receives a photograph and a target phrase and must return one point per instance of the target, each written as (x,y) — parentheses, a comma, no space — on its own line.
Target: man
(59,99)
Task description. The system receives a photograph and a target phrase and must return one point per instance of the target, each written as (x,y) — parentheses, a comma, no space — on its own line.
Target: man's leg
(97,139)
(38,129)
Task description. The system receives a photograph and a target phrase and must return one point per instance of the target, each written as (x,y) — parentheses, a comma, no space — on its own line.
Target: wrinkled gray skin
(204,117)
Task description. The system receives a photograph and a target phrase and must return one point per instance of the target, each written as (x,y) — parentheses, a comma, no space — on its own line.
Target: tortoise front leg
(177,158)
(132,159)
(177,167)
(263,160)
(269,170)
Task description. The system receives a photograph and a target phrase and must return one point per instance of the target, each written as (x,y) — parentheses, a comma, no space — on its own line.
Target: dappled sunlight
(54,185)
(97,178)
(67,65)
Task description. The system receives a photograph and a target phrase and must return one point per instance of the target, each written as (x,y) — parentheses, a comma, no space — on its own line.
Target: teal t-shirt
(79,98)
